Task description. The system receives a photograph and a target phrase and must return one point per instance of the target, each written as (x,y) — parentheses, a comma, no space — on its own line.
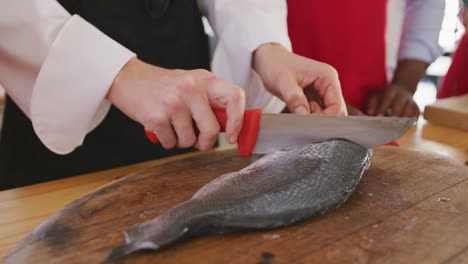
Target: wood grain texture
(409,206)
(450,112)
(24,208)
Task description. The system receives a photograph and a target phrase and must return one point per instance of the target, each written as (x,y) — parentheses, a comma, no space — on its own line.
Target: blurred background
(450,35)
(451,32)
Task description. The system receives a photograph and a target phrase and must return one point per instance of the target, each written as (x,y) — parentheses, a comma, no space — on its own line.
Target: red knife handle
(247,136)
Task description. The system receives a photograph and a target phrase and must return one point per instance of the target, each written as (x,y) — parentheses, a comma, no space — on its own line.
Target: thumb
(294,97)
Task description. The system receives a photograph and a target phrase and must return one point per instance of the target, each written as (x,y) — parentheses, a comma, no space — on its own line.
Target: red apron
(456,81)
(348,35)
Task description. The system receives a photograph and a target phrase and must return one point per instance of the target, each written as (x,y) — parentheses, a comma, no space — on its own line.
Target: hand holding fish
(286,75)
(393,100)
(165,102)
(396,98)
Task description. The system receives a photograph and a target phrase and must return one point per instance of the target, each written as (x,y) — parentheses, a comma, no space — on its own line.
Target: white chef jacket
(422,23)
(58,68)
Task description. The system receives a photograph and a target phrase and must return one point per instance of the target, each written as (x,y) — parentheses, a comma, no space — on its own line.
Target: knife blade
(264,133)
(278,131)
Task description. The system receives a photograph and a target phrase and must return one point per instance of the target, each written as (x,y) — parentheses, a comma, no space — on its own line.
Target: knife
(264,133)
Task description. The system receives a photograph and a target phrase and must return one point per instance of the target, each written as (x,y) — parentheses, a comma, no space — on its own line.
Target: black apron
(166,33)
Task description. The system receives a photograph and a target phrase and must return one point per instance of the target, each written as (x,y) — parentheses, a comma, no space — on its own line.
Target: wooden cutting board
(409,207)
(451,112)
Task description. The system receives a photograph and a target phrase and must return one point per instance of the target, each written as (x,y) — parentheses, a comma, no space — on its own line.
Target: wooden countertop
(24,208)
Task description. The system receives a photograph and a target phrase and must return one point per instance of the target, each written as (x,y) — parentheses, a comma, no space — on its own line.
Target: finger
(372,103)
(235,108)
(293,95)
(315,108)
(398,105)
(328,86)
(385,100)
(222,93)
(181,120)
(411,110)
(335,109)
(196,99)
(192,89)
(207,124)
(408,111)
(313,96)
(161,126)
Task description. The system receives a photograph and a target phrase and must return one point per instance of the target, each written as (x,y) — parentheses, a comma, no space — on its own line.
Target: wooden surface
(389,219)
(396,193)
(451,112)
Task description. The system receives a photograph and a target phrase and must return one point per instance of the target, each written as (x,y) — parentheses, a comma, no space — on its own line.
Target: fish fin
(126,249)
(134,234)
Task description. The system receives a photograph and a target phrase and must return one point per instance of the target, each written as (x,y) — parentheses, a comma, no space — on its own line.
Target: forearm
(408,73)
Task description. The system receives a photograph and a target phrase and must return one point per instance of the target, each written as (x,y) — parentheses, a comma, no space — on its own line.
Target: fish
(276,190)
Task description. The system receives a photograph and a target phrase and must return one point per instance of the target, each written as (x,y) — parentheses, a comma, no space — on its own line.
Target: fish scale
(276,190)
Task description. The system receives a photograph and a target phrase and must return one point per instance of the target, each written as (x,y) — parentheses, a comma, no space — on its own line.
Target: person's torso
(348,35)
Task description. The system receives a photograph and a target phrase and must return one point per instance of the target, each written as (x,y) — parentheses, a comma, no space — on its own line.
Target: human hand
(393,100)
(165,102)
(286,75)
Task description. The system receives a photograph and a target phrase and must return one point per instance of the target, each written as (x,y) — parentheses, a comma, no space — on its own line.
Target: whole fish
(278,189)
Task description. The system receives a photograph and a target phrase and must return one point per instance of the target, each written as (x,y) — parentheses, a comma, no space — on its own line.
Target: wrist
(121,77)
(133,70)
(408,74)
(262,52)
(265,61)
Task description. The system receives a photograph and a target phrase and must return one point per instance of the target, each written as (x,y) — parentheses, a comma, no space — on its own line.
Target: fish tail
(165,229)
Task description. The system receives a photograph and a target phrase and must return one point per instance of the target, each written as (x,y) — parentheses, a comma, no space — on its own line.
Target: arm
(419,46)
(254,42)
(58,79)
(64,74)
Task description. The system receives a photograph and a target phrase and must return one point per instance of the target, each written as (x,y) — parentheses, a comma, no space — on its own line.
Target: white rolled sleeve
(58,69)
(241,27)
(421,28)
